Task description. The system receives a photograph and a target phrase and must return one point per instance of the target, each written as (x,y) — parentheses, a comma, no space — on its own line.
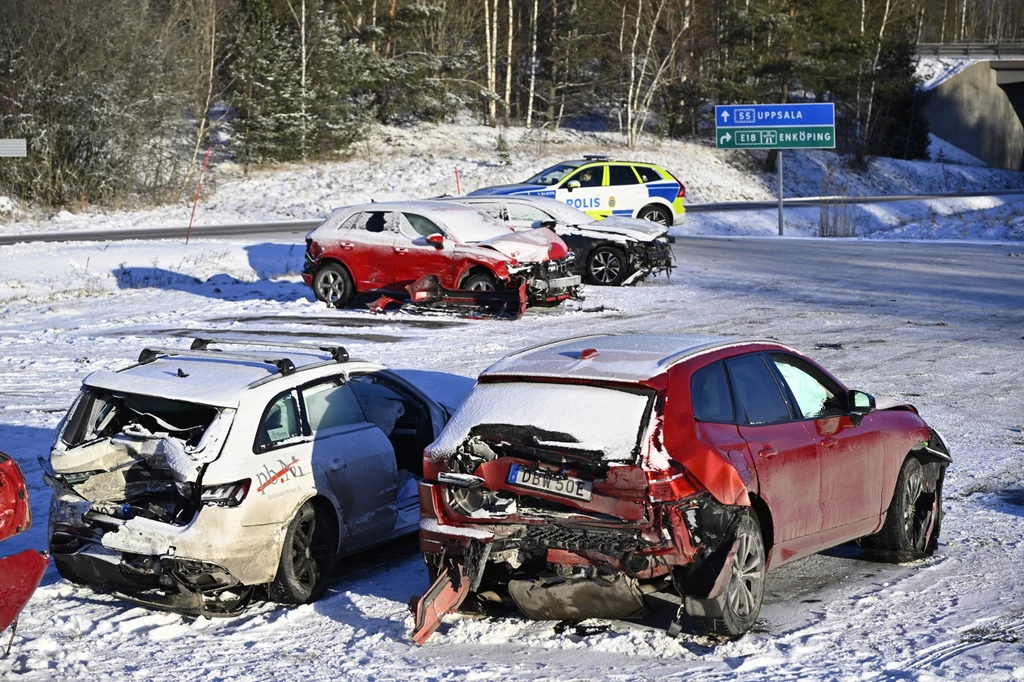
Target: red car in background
(581,475)
(20,573)
(386,247)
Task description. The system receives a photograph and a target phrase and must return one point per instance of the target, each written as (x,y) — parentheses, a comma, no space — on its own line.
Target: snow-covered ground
(937,324)
(420,161)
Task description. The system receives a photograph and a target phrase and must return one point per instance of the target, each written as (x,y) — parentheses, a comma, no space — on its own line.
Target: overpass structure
(980,108)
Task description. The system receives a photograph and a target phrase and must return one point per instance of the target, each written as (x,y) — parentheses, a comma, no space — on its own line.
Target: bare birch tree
(533,64)
(647,69)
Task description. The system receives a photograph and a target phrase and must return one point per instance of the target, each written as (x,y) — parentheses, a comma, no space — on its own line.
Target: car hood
(642,230)
(512,189)
(531,246)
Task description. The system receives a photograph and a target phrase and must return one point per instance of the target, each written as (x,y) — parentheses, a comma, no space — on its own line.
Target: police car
(602,187)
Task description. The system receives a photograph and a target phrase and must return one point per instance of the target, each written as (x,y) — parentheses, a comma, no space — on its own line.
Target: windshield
(103,415)
(550,176)
(472,226)
(553,416)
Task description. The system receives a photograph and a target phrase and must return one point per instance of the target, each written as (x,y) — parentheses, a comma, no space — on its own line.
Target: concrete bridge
(981,108)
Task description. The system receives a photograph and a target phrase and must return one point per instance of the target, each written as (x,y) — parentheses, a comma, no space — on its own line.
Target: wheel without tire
(913,521)
(307,559)
(744,590)
(607,266)
(656,214)
(333,285)
(481,281)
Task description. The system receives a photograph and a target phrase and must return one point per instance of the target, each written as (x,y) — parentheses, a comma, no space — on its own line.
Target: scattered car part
(509,302)
(19,573)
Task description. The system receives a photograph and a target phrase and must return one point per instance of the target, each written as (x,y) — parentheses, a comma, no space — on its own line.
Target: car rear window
(758,398)
(622,175)
(554,416)
(709,390)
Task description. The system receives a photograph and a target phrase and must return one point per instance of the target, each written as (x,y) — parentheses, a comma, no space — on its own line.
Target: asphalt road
(301,227)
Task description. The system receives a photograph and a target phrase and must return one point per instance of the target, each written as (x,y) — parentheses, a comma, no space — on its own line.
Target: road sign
(758,115)
(776,126)
(776,137)
(14,148)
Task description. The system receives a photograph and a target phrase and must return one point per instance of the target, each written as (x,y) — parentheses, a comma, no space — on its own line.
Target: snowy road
(938,324)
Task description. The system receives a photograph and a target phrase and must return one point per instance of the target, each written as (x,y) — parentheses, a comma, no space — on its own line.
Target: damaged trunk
(122,462)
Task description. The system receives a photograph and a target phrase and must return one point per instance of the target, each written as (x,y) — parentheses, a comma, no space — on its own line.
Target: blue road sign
(774,115)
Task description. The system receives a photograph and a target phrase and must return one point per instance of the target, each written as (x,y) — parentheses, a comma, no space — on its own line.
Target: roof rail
(285,366)
(338,353)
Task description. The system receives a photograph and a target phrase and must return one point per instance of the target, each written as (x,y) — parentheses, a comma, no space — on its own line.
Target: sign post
(776,126)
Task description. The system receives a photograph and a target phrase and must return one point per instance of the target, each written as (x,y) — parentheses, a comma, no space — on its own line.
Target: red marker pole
(198,189)
(458,185)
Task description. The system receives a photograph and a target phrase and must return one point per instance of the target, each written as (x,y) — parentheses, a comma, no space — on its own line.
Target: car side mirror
(436,240)
(573,184)
(859,404)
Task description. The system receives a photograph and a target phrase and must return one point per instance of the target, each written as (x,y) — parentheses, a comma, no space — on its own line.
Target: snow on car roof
(629,358)
(209,380)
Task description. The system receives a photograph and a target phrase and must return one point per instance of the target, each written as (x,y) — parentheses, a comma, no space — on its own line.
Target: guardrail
(975,49)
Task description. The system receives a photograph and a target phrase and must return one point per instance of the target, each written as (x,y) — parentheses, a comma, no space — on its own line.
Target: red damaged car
(388,248)
(582,475)
(19,573)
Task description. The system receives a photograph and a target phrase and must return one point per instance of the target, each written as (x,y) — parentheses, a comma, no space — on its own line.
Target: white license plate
(538,479)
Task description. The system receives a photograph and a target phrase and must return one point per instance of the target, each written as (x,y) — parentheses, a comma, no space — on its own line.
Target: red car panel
(19,574)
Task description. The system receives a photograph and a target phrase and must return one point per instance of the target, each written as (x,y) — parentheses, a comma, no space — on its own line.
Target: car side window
(815,395)
(709,390)
(413,225)
(352,222)
(372,221)
(622,175)
(647,174)
(330,405)
(524,213)
(494,210)
(280,423)
(758,397)
(382,404)
(591,176)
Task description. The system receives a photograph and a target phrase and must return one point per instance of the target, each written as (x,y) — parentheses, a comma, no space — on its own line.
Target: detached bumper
(19,577)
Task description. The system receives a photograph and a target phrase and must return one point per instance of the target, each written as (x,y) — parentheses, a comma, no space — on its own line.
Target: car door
(369,250)
(415,257)
(626,195)
(356,457)
(589,196)
(851,457)
(785,455)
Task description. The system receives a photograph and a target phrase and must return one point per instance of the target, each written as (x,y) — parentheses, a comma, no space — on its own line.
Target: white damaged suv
(188,479)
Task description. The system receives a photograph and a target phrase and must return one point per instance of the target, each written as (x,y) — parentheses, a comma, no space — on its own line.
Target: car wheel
(912,523)
(333,285)
(307,560)
(744,590)
(481,281)
(656,214)
(607,266)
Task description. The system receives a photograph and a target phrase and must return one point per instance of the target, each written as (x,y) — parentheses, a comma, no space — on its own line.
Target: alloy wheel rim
(605,267)
(916,521)
(309,549)
(329,286)
(746,576)
(655,217)
(481,286)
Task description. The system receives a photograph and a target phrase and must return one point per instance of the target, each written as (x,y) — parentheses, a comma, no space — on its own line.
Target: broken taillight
(673,483)
(225,494)
(313,249)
